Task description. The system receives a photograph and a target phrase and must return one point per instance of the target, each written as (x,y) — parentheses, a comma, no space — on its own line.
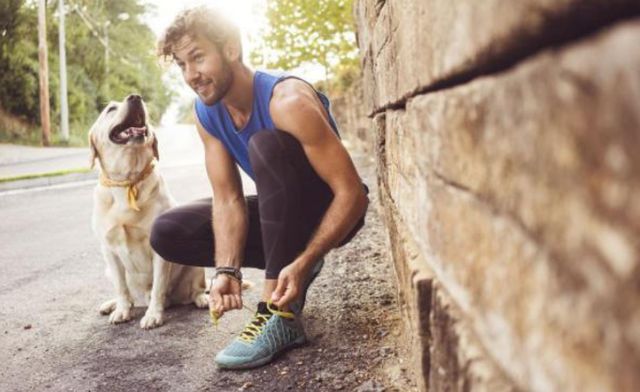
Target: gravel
(54,339)
(352,318)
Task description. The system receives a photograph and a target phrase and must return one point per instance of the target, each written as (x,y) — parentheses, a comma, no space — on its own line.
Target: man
(310,199)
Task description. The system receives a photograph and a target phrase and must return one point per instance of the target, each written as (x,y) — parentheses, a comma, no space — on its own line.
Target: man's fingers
(228,302)
(234,301)
(281,286)
(215,299)
(219,307)
(289,295)
(238,301)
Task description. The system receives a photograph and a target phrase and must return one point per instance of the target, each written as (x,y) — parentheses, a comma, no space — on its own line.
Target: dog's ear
(94,152)
(155,148)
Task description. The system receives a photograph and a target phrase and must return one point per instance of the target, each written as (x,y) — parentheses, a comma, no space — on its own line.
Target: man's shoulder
(290,90)
(206,113)
(207,116)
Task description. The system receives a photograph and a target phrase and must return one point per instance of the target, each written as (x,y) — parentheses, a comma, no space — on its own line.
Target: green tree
(18,60)
(302,32)
(132,66)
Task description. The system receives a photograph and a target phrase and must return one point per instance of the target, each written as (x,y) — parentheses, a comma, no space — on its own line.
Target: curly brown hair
(198,22)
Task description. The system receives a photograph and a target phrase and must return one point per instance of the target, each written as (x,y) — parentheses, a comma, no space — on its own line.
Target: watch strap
(231,271)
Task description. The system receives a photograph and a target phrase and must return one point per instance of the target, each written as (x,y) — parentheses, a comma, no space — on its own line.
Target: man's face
(204,68)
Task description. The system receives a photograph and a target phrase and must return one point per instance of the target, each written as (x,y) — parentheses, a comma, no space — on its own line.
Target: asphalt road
(52,281)
(51,284)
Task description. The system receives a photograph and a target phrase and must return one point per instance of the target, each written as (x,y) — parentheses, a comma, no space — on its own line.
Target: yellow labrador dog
(130,195)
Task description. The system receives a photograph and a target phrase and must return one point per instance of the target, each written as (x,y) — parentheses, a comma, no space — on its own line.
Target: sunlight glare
(248,15)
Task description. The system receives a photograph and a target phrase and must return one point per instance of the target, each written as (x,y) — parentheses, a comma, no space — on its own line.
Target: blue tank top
(217,121)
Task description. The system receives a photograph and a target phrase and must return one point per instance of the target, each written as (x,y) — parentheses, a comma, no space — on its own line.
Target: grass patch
(15,130)
(43,175)
(34,138)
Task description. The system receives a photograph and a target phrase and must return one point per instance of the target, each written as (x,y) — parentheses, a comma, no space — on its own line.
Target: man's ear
(94,151)
(233,50)
(155,148)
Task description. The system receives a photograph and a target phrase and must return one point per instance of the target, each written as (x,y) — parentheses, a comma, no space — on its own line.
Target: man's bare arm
(296,109)
(230,218)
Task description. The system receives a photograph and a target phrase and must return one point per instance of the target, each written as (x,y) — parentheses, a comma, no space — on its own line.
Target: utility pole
(44,74)
(64,106)
(106,59)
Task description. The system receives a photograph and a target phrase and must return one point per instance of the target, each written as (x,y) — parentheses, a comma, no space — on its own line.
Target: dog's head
(122,130)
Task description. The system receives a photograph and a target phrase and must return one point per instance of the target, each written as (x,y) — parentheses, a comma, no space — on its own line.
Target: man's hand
(225,294)
(290,283)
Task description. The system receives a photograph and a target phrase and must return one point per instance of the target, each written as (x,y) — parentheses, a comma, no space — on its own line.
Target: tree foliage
(302,32)
(132,65)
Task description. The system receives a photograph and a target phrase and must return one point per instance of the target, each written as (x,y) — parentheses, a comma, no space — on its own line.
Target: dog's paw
(120,315)
(201,300)
(107,307)
(152,319)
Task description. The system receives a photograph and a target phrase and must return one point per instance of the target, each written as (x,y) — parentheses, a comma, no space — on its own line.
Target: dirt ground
(53,339)
(352,319)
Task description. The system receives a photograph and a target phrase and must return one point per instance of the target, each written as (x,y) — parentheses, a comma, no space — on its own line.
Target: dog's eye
(111,108)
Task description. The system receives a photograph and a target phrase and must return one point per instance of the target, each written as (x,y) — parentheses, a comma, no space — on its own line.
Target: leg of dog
(119,307)
(154,316)
(198,286)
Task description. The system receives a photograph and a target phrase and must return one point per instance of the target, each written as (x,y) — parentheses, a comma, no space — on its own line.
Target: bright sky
(249,15)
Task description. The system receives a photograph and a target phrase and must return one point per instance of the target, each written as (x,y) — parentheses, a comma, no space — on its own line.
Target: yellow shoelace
(254,328)
(288,315)
(215,317)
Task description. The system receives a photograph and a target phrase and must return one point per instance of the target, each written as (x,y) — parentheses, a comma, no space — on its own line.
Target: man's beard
(221,85)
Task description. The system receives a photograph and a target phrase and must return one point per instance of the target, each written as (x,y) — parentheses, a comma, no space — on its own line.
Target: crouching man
(310,199)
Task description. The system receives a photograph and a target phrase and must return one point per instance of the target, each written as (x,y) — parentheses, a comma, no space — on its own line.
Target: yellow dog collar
(132,190)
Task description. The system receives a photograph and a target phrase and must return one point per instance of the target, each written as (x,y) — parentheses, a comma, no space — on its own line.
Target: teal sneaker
(270,333)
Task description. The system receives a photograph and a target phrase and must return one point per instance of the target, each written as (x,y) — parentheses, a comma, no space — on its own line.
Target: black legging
(291,201)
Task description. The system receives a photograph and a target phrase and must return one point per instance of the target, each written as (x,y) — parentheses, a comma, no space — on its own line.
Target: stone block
(446,355)
(414,46)
(354,125)
(520,192)
(458,363)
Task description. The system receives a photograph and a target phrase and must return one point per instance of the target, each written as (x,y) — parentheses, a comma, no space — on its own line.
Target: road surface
(53,338)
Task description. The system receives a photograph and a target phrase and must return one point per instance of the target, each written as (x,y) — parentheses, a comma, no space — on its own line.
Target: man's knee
(163,233)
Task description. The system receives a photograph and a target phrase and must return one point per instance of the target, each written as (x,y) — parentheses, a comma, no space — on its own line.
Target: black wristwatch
(231,271)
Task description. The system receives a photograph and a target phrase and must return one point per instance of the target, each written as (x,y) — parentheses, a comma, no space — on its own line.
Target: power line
(103,40)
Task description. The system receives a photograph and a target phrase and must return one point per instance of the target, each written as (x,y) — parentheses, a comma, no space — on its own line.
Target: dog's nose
(134,97)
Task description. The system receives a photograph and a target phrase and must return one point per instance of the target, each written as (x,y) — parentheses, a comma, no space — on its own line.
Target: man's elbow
(354,199)
(361,202)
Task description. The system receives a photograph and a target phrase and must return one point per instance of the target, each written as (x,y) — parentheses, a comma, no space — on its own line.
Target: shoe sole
(263,361)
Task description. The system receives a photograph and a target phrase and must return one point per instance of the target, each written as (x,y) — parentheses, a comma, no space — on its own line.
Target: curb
(47,181)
